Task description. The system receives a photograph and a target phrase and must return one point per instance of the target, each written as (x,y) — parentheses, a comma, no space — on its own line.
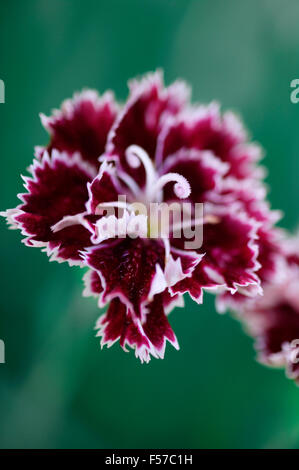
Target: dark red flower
(81,125)
(104,162)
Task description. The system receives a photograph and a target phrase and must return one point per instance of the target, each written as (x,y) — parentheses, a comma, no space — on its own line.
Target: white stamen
(181,188)
(136,155)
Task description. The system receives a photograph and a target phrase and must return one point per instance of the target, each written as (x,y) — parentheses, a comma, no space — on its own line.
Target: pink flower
(156,148)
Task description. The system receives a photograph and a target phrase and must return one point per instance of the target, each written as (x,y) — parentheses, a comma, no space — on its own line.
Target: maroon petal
(243,159)
(147,338)
(140,121)
(270,251)
(251,197)
(204,128)
(104,188)
(82,125)
(130,269)
(194,285)
(157,327)
(231,250)
(180,268)
(117,324)
(203,171)
(58,187)
(92,283)
(230,259)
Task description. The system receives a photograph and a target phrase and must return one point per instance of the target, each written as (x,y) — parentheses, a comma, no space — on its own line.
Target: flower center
(142,199)
(153,191)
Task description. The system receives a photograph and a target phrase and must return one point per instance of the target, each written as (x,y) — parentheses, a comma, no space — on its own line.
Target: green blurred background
(57,388)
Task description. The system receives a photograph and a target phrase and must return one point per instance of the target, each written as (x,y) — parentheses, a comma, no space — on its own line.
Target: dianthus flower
(104,161)
(273,319)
